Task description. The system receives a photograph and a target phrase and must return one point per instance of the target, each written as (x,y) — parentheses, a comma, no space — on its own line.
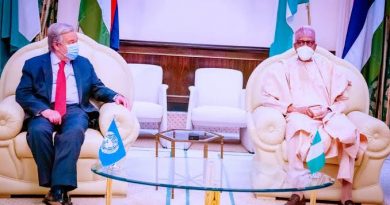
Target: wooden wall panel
(179,61)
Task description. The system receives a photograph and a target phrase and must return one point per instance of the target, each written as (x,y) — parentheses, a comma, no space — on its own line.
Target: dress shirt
(72,96)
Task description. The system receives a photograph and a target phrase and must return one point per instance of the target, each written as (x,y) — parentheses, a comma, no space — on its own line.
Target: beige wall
(219,22)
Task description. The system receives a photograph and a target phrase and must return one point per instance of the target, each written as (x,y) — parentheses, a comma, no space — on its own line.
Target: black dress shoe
(296,200)
(66,198)
(349,202)
(48,197)
(57,197)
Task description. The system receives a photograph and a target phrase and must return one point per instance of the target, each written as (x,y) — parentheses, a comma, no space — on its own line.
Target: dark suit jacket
(35,88)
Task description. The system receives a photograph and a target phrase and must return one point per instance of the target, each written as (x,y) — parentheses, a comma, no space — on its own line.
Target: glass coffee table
(213,175)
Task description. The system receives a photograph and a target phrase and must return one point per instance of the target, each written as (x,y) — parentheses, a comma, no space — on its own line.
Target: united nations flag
(112,149)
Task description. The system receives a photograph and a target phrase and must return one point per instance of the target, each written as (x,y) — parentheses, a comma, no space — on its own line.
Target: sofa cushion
(147,111)
(218,116)
(89,149)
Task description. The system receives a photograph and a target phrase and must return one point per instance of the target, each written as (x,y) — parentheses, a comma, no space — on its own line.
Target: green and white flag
(28,16)
(19,24)
(92,20)
(284,33)
(316,156)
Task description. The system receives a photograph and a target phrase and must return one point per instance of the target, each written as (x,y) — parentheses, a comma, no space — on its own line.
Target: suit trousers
(56,159)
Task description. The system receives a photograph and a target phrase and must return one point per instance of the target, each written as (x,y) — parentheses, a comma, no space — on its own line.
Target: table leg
(173,147)
(222,148)
(313,197)
(108,191)
(205,150)
(157,141)
(212,198)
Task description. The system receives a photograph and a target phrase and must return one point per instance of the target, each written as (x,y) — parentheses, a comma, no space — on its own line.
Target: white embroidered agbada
(316,84)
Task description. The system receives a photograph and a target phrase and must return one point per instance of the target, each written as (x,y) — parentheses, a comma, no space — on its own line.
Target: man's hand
(121,100)
(315,112)
(303,110)
(319,111)
(52,115)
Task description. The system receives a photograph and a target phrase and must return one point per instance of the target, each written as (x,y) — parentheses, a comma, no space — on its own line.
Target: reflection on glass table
(174,136)
(214,175)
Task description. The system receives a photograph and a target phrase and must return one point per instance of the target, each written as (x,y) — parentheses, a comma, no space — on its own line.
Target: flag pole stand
(114,166)
(308,14)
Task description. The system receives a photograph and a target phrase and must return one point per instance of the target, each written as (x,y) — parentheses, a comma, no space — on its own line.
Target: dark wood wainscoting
(179,61)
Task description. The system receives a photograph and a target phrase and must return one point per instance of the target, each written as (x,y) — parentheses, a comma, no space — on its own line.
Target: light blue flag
(112,149)
(283,39)
(316,156)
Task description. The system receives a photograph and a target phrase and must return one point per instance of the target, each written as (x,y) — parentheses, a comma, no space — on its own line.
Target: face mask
(72,51)
(305,53)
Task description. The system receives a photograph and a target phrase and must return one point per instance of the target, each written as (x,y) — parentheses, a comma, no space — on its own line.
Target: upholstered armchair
(217,100)
(150,97)
(266,127)
(18,173)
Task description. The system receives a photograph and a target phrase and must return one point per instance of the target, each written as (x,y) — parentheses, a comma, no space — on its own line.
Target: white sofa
(150,96)
(217,100)
(18,173)
(267,130)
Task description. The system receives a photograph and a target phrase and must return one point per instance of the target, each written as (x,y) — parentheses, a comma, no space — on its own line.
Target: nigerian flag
(364,43)
(98,19)
(19,24)
(316,156)
(283,39)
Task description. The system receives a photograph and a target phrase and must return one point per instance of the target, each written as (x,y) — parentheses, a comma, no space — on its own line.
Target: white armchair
(217,100)
(267,130)
(150,97)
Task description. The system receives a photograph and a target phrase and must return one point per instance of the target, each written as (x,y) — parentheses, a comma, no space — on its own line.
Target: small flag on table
(316,156)
(112,149)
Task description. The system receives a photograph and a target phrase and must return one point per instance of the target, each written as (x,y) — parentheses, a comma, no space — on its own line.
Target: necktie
(60,101)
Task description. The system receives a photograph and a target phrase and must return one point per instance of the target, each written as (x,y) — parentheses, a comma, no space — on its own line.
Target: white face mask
(305,53)
(72,51)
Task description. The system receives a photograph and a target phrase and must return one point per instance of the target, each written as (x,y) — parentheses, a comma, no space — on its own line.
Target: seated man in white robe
(311,94)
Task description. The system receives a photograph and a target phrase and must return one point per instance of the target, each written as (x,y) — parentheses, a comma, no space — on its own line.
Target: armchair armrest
(242,102)
(162,95)
(193,102)
(126,122)
(162,100)
(376,131)
(267,127)
(11,118)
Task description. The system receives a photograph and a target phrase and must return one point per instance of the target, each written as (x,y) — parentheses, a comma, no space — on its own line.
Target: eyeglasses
(303,42)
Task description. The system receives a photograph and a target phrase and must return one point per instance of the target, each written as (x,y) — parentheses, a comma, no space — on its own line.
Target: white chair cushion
(147,111)
(147,81)
(218,116)
(217,86)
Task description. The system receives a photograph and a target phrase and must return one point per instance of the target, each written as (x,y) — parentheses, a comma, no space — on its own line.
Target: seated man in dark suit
(54,91)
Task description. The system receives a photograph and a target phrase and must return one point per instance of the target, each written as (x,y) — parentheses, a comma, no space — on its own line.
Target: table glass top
(233,173)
